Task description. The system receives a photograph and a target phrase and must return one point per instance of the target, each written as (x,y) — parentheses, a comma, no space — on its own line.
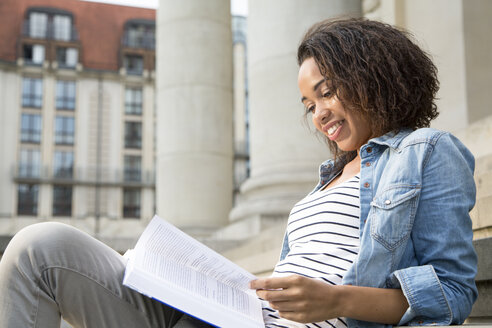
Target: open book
(175,269)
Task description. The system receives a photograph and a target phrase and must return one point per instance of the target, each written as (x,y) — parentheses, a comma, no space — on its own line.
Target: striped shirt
(323,233)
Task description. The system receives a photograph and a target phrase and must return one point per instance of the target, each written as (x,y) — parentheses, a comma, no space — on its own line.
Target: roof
(99,26)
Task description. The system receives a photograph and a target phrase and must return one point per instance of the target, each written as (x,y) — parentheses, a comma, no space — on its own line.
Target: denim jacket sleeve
(441,289)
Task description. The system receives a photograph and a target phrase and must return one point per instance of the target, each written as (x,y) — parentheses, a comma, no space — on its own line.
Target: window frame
(133,100)
(132,168)
(29,163)
(62,27)
(29,207)
(38,28)
(31,128)
(133,64)
(63,164)
(63,207)
(63,135)
(132,206)
(66,100)
(32,92)
(133,137)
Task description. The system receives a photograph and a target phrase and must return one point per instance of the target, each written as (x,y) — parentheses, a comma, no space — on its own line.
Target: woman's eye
(310,109)
(327,94)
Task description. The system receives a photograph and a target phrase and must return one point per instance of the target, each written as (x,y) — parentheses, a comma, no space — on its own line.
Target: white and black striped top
(323,232)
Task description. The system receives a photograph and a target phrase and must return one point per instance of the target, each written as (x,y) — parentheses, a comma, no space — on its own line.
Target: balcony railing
(143,41)
(83,176)
(130,211)
(133,175)
(49,32)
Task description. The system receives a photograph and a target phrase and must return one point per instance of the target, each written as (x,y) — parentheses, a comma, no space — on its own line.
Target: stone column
(460,45)
(194,113)
(285,153)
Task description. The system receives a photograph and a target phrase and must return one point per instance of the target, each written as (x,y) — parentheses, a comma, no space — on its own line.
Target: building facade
(77,117)
(79,120)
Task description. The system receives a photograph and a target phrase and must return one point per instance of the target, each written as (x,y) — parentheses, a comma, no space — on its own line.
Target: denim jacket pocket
(392,214)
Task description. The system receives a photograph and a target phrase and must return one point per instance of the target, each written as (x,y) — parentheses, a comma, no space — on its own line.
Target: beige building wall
(478,57)
(99,124)
(456,34)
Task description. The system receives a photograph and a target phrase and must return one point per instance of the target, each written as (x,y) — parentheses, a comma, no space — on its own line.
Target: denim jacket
(416,192)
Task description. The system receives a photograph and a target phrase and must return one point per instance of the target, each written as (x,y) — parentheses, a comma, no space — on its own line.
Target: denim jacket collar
(329,168)
(391,139)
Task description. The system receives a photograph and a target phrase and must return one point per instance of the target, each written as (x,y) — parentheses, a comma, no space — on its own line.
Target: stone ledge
(483,247)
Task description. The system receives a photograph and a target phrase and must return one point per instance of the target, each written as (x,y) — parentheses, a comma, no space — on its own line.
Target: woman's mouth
(334,130)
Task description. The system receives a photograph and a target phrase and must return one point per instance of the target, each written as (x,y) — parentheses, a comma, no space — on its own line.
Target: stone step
(483,181)
(248,228)
(483,164)
(481,214)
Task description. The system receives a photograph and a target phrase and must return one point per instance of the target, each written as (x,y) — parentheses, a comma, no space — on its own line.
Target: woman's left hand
(305,300)
(299,298)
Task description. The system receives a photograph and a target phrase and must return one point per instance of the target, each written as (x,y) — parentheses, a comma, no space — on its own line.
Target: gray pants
(52,269)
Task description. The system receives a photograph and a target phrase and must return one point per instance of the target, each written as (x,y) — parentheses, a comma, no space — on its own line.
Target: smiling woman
(405,255)
(348,129)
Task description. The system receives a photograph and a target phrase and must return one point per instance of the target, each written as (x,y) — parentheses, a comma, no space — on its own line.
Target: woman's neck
(352,167)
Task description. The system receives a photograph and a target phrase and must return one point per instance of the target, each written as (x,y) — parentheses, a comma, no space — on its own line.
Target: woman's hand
(299,298)
(302,299)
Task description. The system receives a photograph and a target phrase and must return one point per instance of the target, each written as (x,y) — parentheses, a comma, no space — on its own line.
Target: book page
(173,257)
(165,240)
(198,284)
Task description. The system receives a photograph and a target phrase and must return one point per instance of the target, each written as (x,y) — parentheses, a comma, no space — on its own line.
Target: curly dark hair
(376,70)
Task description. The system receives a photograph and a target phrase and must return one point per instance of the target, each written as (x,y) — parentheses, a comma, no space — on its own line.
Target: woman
(385,237)
(370,90)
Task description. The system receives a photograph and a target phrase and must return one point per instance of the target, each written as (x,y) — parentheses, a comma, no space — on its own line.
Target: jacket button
(368,164)
(369,149)
(366,184)
(387,202)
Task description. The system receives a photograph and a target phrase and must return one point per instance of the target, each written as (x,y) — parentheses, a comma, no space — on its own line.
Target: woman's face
(329,117)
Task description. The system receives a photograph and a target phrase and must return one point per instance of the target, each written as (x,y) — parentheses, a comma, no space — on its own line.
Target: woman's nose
(321,114)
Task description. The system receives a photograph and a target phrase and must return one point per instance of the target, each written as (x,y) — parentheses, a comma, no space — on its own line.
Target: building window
(140,36)
(64,130)
(38,25)
(33,54)
(133,64)
(133,101)
(67,57)
(133,170)
(131,203)
(32,92)
(63,165)
(29,165)
(62,201)
(133,135)
(62,26)
(65,95)
(31,128)
(27,199)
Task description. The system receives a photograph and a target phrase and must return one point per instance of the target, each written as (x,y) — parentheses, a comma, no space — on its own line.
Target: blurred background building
(110,113)
(77,83)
